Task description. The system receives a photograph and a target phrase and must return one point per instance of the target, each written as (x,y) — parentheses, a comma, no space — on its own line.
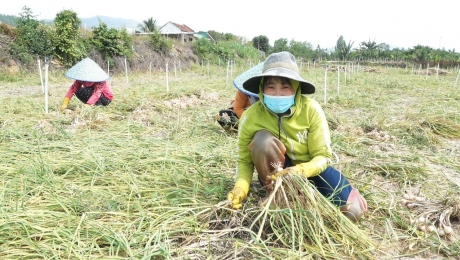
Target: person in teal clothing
(289,130)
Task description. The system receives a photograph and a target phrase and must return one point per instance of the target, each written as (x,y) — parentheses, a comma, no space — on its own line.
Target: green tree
(383,51)
(160,43)
(224,51)
(280,45)
(398,54)
(342,49)
(420,53)
(204,49)
(220,37)
(217,35)
(34,38)
(69,45)
(45,46)
(261,43)
(230,37)
(320,53)
(369,49)
(111,42)
(302,50)
(149,25)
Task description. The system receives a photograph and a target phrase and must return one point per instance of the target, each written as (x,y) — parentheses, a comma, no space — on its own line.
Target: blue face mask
(279,104)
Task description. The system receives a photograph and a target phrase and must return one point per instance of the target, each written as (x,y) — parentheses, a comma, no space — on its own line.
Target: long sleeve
(99,89)
(245,166)
(241,103)
(318,142)
(74,88)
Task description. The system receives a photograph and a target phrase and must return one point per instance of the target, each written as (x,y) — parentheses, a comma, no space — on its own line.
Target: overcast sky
(399,23)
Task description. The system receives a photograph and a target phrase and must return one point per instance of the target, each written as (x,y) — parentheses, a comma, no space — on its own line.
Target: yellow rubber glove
(65,103)
(236,196)
(304,169)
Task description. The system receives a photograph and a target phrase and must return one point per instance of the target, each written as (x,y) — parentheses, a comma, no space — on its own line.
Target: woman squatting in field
(288,129)
(90,85)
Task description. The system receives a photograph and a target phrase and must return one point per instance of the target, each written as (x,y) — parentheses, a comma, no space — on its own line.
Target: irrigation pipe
(325,85)
(338,80)
(427,69)
(456,80)
(167,77)
(175,70)
(46,85)
(126,72)
(437,71)
(228,65)
(41,78)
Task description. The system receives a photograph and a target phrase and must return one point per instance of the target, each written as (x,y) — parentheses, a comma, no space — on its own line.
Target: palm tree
(343,49)
(369,48)
(421,53)
(149,25)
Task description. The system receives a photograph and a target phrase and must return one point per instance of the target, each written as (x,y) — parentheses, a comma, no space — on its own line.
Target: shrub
(160,43)
(34,39)
(8,30)
(69,45)
(111,42)
(225,50)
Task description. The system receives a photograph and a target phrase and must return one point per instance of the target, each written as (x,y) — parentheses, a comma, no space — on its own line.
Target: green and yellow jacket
(304,131)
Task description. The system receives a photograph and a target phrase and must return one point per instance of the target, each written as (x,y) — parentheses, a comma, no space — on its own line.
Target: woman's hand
(305,169)
(64,105)
(236,196)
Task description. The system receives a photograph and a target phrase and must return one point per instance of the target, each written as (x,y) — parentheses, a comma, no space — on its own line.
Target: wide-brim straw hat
(252,72)
(87,70)
(280,64)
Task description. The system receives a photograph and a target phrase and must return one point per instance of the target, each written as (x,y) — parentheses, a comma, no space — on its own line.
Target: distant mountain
(85,22)
(110,21)
(8,19)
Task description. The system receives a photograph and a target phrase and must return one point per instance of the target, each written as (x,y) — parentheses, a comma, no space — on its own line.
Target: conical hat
(87,70)
(252,72)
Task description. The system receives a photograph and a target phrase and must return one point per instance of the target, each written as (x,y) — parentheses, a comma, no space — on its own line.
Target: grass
(147,176)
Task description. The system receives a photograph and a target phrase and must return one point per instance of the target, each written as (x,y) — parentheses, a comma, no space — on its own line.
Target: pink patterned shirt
(99,88)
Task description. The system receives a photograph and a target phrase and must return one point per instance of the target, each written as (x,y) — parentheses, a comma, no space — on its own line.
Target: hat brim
(87,70)
(252,84)
(238,81)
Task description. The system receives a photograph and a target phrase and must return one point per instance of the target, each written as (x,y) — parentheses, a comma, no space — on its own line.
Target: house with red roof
(180,32)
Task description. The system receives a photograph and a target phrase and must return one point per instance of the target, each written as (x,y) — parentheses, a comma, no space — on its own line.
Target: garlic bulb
(410,205)
(441,232)
(421,219)
(448,230)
